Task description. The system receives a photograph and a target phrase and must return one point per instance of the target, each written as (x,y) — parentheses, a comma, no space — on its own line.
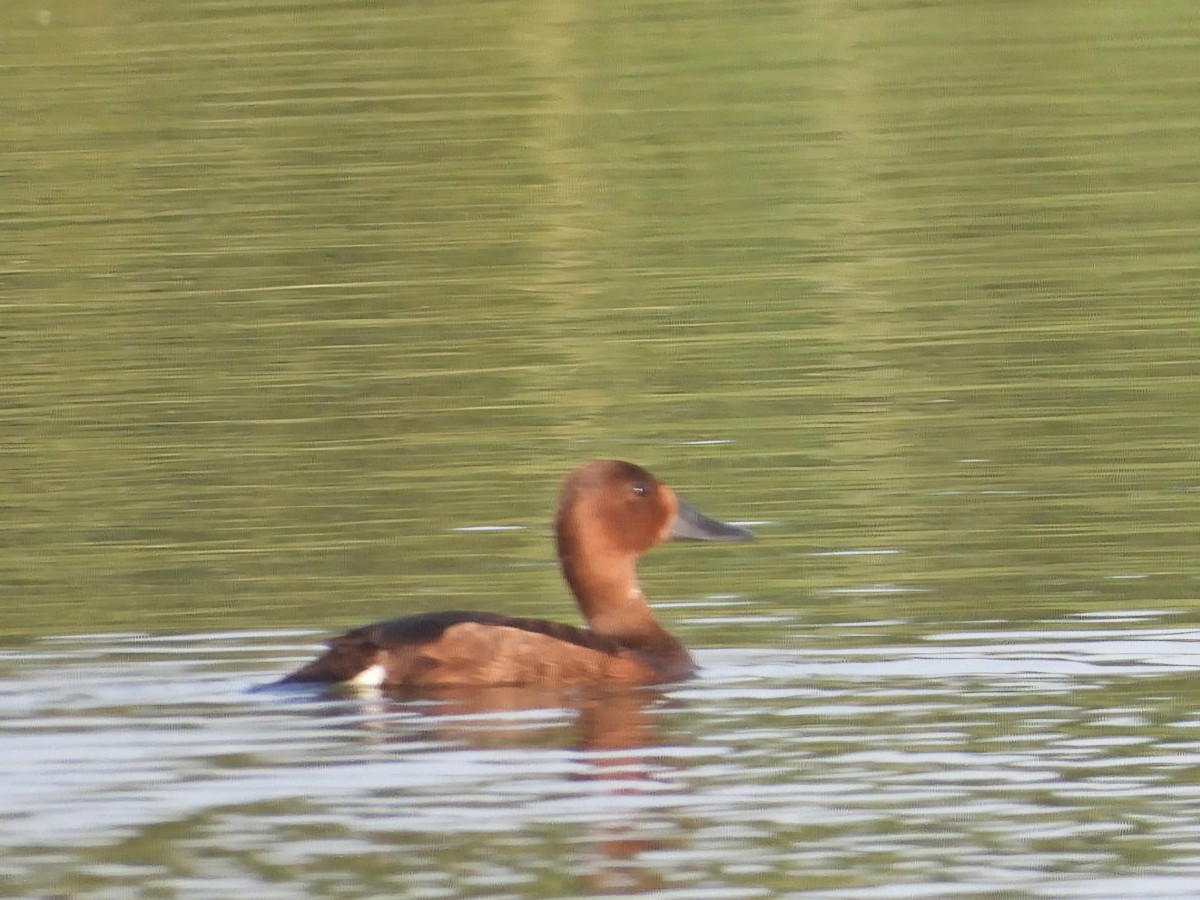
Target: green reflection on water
(290,291)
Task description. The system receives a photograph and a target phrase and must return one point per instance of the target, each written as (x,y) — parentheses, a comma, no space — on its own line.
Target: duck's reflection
(607,727)
(591,719)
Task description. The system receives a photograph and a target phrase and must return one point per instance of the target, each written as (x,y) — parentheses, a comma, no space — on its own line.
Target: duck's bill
(692,525)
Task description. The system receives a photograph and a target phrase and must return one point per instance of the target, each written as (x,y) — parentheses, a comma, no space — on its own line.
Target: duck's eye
(639,489)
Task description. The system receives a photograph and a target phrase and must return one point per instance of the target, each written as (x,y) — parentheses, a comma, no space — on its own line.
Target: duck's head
(614,508)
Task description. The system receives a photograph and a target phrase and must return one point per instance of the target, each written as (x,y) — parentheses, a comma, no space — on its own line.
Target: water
(305,309)
(1053,762)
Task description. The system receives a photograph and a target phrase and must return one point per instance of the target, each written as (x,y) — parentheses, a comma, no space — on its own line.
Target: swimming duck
(609,513)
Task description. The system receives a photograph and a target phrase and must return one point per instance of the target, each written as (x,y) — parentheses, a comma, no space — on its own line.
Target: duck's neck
(607,591)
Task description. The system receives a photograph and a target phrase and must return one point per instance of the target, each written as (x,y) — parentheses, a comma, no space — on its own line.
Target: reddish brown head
(613,508)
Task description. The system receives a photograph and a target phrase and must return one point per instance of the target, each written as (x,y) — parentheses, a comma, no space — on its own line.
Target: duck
(609,513)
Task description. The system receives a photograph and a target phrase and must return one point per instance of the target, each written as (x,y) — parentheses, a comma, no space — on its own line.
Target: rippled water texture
(305,308)
(1052,762)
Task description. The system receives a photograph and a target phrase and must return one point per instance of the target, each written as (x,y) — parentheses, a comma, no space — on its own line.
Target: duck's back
(480,648)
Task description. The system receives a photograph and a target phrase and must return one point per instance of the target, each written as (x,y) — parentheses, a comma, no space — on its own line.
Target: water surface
(1053,762)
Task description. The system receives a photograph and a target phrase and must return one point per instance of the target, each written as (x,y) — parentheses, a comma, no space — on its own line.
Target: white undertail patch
(371,676)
